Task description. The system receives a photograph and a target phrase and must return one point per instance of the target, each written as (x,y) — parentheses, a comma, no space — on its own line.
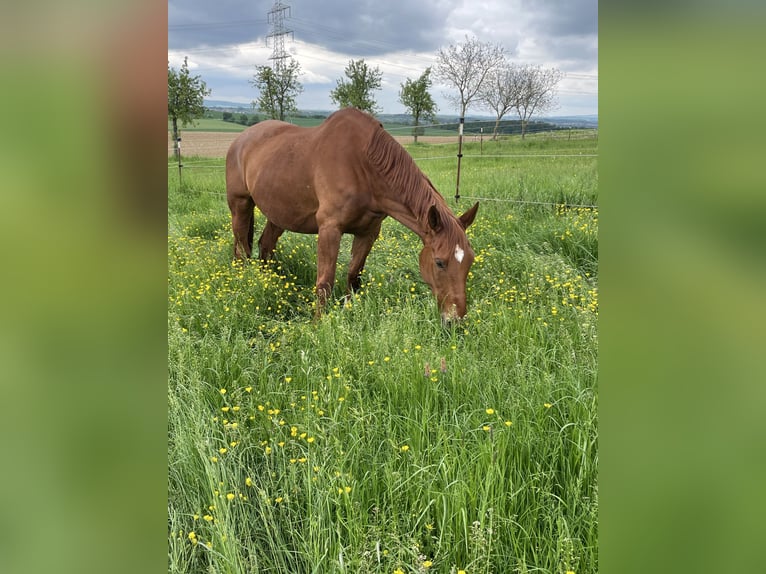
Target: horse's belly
(291,211)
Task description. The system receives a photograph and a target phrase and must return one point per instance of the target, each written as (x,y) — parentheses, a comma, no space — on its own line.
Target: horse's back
(258,136)
(291,171)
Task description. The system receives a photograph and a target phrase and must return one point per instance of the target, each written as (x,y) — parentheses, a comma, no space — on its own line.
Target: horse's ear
(434,219)
(467,218)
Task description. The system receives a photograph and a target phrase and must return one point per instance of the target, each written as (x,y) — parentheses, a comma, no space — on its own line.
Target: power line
(229,24)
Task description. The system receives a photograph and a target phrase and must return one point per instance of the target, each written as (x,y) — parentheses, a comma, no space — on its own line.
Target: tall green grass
(374,439)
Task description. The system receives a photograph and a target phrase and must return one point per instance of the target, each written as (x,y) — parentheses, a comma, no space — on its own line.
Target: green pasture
(209,125)
(213,122)
(375,439)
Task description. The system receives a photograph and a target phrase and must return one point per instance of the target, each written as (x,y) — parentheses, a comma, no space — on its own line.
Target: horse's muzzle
(451,315)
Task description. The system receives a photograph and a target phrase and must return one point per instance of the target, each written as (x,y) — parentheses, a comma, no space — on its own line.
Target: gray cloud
(369,27)
(562,17)
(364,28)
(400,36)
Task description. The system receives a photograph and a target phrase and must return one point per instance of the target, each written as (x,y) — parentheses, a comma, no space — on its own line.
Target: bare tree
(536,92)
(466,66)
(500,92)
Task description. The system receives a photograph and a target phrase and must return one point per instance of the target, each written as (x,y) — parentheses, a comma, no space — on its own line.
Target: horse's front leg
(360,249)
(327,258)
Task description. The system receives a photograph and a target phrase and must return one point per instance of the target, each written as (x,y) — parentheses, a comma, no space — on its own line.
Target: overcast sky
(225,40)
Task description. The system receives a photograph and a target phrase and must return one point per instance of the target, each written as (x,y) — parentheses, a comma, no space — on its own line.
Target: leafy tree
(357,92)
(186,95)
(466,67)
(536,91)
(415,98)
(278,87)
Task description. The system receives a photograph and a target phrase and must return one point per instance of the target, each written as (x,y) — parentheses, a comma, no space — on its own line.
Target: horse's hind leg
(328,245)
(242,225)
(360,249)
(268,240)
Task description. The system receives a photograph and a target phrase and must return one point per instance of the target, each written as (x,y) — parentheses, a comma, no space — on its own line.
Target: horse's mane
(398,169)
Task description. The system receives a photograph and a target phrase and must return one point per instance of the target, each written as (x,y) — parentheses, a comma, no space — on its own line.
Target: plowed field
(215,144)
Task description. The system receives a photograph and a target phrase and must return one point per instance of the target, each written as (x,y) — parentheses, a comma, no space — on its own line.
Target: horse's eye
(440,264)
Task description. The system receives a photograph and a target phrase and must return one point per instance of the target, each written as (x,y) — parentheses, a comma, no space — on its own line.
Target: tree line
(480,73)
(242,118)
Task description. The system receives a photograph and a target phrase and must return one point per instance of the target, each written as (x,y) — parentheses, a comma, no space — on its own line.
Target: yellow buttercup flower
(490,411)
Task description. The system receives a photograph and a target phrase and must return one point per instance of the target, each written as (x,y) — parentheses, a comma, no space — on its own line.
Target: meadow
(375,439)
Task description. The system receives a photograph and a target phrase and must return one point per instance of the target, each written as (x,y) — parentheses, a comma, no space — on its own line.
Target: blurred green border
(682,191)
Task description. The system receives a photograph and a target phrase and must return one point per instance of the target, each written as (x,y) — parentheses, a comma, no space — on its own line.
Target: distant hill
(224,105)
(583,121)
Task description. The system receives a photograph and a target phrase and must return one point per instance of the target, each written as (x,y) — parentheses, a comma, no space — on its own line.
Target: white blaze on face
(459,254)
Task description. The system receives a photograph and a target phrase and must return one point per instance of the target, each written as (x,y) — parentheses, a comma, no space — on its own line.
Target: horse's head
(446,259)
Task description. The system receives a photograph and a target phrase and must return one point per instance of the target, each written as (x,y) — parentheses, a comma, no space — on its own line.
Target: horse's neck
(412,215)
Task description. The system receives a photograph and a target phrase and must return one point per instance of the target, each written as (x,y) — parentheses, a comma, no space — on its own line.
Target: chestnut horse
(344,176)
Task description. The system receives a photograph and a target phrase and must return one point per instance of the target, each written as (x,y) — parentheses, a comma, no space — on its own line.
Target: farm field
(215,143)
(212,142)
(375,439)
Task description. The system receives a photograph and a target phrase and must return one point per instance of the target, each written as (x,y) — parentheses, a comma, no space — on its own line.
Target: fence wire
(214,164)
